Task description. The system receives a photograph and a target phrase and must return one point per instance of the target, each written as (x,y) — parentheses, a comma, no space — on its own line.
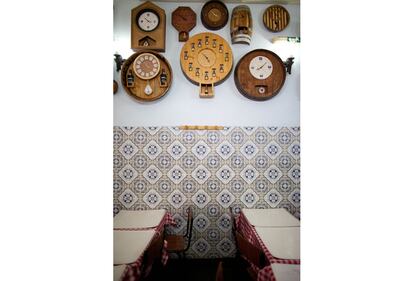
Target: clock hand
(183,17)
(147,20)
(214,13)
(206,57)
(262,66)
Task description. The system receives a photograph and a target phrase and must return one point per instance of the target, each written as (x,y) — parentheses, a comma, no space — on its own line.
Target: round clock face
(148,20)
(146,66)
(260,67)
(206,58)
(214,15)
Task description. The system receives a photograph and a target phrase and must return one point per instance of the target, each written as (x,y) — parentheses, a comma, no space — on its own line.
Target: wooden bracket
(206,90)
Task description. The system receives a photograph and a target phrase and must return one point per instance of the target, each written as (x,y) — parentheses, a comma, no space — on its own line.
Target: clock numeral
(197,71)
(185,55)
(206,75)
(269,66)
(192,47)
(214,43)
(206,41)
(221,67)
(221,48)
(260,58)
(226,57)
(190,66)
(213,73)
(199,43)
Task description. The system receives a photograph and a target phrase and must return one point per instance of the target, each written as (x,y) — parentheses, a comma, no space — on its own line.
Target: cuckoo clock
(148,27)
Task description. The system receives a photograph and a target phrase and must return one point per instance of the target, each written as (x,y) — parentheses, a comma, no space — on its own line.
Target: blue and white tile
(273,150)
(152,198)
(201,198)
(225,198)
(176,174)
(249,149)
(128,174)
(201,222)
(177,199)
(249,198)
(201,174)
(152,174)
(225,174)
(273,198)
(152,150)
(294,174)
(273,174)
(127,198)
(201,150)
(225,150)
(128,149)
(176,150)
(249,174)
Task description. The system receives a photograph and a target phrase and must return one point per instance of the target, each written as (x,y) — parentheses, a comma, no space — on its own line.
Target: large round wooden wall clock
(146,76)
(214,15)
(260,75)
(206,60)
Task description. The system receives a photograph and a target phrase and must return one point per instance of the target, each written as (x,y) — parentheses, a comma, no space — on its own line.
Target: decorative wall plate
(260,75)
(206,60)
(241,25)
(148,27)
(214,15)
(146,76)
(276,18)
(183,19)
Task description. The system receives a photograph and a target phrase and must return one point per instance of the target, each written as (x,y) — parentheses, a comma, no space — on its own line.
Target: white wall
(182,105)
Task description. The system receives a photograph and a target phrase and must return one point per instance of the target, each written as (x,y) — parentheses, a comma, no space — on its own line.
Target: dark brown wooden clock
(214,15)
(260,75)
(276,18)
(183,19)
(148,27)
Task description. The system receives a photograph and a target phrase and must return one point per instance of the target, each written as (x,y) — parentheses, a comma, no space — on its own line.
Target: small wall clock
(241,25)
(183,19)
(146,76)
(276,18)
(214,15)
(260,75)
(206,60)
(148,27)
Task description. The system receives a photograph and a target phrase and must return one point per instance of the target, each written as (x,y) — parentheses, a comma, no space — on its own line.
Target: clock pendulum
(184,19)
(146,67)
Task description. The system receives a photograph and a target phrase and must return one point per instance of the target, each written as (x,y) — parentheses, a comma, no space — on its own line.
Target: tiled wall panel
(242,167)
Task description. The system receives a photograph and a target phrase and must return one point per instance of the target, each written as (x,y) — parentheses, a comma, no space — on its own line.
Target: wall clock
(206,60)
(148,27)
(241,25)
(214,15)
(184,19)
(260,75)
(276,18)
(146,76)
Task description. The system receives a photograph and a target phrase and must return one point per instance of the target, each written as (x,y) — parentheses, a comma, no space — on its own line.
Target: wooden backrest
(154,251)
(250,251)
(219,272)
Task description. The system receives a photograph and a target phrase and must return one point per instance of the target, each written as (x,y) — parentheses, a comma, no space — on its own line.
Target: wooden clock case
(249,86)
(134,86)
(148,40)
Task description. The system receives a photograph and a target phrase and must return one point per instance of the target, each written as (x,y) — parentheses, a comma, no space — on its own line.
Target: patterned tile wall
(242,167)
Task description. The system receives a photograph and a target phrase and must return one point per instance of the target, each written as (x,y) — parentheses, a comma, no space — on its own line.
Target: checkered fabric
(133,271)
(249,232)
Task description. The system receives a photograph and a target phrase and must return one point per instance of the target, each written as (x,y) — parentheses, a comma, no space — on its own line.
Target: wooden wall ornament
(214,15)
(148,27)
(206,60)
(276,18)
(146,76)
(260,75)
(241,26)
(184,19)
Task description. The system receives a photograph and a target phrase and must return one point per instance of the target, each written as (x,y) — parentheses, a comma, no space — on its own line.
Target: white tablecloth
(118,270)
(138,219)
(282,242)
(286,272)
(129,245)
(270,217)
